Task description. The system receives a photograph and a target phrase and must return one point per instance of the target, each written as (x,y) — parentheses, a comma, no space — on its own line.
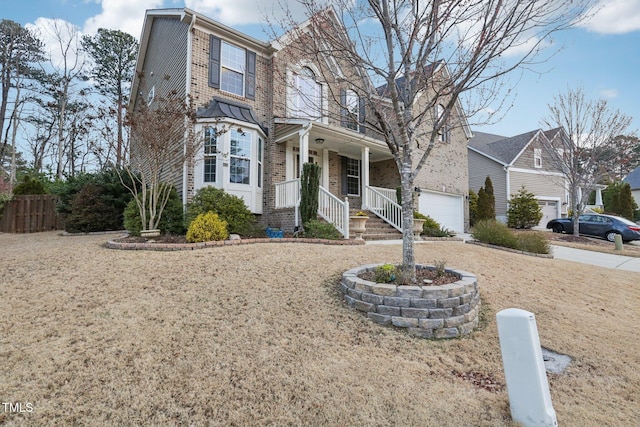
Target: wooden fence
(30,214)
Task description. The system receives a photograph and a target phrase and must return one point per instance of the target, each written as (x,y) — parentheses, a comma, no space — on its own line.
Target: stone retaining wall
(445,311)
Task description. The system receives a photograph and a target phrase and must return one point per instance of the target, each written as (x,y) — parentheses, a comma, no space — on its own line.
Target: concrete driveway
(600,259)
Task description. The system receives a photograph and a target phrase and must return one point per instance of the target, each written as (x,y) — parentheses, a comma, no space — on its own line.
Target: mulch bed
(421,275)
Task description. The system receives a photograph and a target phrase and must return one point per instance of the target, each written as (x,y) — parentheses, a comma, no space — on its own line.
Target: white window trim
(537,158)
(359,177)
(291,90)
(242,71)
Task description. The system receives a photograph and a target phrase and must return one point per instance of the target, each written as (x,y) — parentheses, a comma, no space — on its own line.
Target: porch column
(304,150)
(325,168)
(599,197)
(364,154)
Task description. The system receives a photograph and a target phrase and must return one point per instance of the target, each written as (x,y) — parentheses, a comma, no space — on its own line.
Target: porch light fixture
(319,140)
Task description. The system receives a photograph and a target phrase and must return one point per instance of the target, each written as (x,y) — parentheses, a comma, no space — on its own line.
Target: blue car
(605,226)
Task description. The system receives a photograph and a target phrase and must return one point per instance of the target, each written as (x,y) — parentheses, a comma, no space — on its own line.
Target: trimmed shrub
(90,212)
(321,230)
(206,228)
(495,233)
(524,210)
(29,186)
(309,189)
(111,193)
(230,208)
(533,242)
(171,221)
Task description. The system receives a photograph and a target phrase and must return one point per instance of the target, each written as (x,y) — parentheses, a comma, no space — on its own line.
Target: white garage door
(549,210)
(447,209)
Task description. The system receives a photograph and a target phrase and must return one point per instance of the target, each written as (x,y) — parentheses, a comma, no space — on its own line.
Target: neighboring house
(277,115)
(516,162)
(633,179)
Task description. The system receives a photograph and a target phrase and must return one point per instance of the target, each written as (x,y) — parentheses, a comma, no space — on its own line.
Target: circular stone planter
(445,311)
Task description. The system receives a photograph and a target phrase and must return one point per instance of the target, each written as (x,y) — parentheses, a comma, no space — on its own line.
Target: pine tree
(486,205)
(488,189)
(626,202)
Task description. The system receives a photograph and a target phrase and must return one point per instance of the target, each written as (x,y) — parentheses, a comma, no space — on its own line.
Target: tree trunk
(119,143)
(408,257)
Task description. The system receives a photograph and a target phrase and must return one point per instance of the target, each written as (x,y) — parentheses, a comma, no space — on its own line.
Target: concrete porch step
(376,228)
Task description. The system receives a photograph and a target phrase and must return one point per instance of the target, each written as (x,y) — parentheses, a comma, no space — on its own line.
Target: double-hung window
(240,157)
(353,177)
(307,95)
(232,68)
(537,157)
(233,61)
(210,154)
(352,105)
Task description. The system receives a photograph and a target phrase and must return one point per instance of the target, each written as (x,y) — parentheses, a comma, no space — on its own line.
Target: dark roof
(633,179)
(220,107)
(401,81)
(500,148)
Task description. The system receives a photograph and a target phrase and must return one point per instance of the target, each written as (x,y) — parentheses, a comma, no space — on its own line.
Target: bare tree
(587,150)
(67,61)
(158,127)
(415,60)
(19,48)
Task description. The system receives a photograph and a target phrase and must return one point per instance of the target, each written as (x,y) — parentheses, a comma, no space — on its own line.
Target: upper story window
(444,131)
(351,109)
(306,100)
(233,62)
(232,68)
(537,157)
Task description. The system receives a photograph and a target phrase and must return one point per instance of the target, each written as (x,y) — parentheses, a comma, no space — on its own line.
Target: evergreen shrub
(524,210)
(230,208)
(206,228)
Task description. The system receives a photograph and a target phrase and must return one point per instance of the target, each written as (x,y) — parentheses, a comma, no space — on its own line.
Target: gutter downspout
(508,182)
(185,166)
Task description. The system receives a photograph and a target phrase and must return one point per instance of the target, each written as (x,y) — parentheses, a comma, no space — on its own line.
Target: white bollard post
(527,384)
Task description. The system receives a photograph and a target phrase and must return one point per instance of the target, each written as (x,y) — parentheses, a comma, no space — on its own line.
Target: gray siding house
(633,179)
(516,162)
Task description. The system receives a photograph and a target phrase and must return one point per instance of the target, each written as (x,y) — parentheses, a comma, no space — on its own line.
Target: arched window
(307,95)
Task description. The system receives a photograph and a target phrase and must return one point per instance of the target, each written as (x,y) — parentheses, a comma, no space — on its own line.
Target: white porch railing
(385,207)
(331,208)
(334,211)
(287,194)
(388,192)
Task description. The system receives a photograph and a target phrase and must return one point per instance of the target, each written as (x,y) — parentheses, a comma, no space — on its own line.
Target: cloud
(238,12)
(609,93)
(123,15)
(58,35)
(615,17)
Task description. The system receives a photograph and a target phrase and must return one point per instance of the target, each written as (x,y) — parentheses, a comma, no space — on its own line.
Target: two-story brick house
(277,112)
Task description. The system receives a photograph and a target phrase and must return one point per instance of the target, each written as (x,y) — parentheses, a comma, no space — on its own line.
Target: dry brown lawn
(259,335)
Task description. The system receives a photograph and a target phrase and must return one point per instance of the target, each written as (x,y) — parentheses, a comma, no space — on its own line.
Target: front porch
(347,160)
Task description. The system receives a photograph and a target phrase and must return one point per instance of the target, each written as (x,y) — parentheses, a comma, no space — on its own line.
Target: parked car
(605,226)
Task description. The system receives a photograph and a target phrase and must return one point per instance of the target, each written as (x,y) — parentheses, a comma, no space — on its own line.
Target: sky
(602,57)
